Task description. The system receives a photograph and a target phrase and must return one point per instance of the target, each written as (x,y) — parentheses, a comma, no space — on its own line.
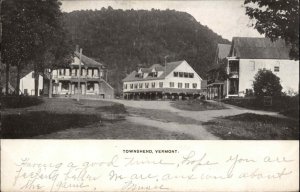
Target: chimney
(77,48)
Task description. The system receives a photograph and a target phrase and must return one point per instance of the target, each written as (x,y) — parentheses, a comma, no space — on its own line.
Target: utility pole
(79,73)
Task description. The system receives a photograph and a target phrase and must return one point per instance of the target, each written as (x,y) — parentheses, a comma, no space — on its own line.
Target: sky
(225,17)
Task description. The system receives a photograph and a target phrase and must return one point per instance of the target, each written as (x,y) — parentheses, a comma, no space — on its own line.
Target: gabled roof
(166,71)
(223,50)
(259,48)
(88,61)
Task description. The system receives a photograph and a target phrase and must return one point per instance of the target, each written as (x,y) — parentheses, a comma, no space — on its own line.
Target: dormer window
(153,74)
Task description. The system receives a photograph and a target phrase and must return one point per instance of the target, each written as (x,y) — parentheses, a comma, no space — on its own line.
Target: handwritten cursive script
(151,172)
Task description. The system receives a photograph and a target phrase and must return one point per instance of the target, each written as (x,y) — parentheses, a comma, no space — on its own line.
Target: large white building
(247,55)
(93,79)
(175,80)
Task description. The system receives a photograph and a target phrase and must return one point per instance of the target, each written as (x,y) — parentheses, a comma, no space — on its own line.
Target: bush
(266,83)
(19,101)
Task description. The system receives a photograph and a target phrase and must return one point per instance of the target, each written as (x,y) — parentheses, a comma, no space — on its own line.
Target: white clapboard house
(174,80)
(248,55)
(93,79)
(27,84)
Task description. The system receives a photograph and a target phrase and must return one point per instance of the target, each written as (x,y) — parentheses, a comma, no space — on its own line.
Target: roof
(145,70)
(166,71)
(259,48)
(88,61)
(223,50)
(157,67)
(221,53)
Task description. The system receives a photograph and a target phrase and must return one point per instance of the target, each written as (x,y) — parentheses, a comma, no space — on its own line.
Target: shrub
(266,83)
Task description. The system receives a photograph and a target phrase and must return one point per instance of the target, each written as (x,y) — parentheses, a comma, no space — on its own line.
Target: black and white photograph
(168,71)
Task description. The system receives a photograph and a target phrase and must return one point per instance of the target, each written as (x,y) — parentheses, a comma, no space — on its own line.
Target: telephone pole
(79,73)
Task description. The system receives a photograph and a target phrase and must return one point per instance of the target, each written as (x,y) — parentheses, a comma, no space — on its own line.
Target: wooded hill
(126,39)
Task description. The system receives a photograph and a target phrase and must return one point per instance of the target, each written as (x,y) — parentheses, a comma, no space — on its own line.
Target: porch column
(73,88)
(227,88)
(70,89)
(83,89)
(96,88)
(59,87)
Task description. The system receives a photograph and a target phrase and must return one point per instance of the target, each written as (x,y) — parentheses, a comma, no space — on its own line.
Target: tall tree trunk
(50,84)
(7,79)
(18,80)
(36,82)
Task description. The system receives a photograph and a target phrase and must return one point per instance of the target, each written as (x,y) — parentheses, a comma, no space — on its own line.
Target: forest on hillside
(126,39)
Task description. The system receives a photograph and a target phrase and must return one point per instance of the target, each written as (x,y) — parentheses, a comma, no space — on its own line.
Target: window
(180,74)
(194,85)
(186,75)
(32,75)
(191,75)
(252,65)
(141,85)
(161,84)
(154,74)
(179,85)
(135,85)
(146,85)
(153,84)
(277,66)
(175,74)
(171,84)
(187,85)
(90,86)
(131,86)
(125,86)
(64,85)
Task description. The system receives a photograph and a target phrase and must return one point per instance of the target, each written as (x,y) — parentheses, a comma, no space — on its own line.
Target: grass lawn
(252,126)
(61,118)
(286,105)
(197,105)
(57,114)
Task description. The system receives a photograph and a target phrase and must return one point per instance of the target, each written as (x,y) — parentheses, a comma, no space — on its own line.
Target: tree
(17,44)
(58,55)
(46,26)
(31,29)
(266,83)
(277,19)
